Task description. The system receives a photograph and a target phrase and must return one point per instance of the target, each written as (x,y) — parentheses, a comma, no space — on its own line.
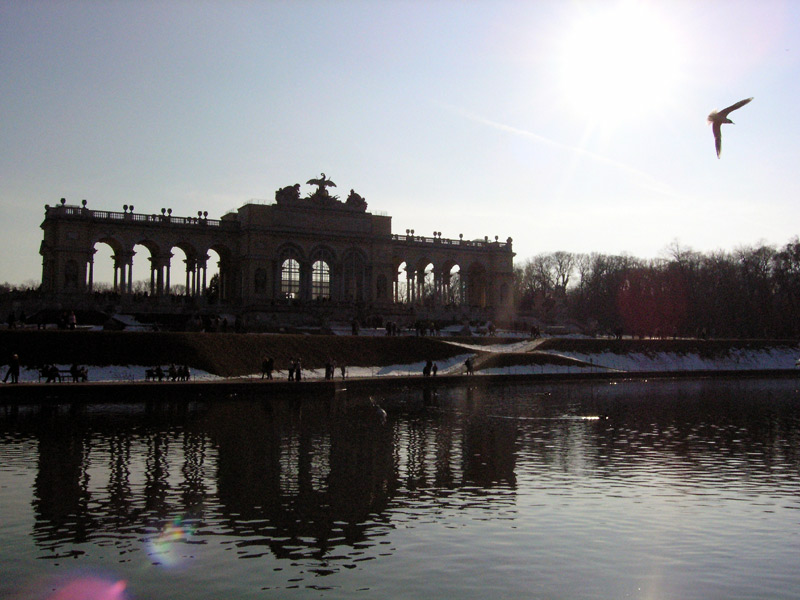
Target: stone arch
(224,270)
(424,291)
(145,269)
(451,283)
(102,267)
(193,280)
(400,288)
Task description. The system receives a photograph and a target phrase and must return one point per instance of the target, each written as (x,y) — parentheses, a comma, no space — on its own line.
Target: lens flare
(164,548)
(90,588)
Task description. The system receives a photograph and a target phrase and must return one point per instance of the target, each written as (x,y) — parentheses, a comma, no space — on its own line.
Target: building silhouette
(300,255)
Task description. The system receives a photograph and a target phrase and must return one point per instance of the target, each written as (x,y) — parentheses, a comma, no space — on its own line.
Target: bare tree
(562,265)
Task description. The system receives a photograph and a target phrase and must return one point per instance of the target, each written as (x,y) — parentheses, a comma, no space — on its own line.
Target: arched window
(290,278)
(320,280)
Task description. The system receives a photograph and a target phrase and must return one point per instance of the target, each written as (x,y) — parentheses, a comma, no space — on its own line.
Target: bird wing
(717,136)
(725,111)
(313,182)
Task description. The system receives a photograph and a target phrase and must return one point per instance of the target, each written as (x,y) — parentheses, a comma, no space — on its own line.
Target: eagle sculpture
(322,183)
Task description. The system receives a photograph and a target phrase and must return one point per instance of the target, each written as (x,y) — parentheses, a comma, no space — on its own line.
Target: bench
(52,375)
(62,375)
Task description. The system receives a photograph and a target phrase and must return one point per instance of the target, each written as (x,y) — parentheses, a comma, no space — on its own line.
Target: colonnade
(441,293)
(196,271)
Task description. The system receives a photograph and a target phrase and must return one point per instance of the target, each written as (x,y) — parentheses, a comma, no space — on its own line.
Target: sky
(565,125)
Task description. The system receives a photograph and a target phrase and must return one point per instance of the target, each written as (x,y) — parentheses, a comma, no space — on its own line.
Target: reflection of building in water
(293,478)
(61,498)
(457,448)
(301,477)
(314,252)
(103,474)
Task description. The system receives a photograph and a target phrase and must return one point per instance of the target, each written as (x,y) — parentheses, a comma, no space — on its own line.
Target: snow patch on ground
(736,360)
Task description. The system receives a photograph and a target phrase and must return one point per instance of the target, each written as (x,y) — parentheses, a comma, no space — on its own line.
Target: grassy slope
(226,354)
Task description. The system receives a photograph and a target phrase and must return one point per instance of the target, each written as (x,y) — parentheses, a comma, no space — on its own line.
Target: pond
(629,489)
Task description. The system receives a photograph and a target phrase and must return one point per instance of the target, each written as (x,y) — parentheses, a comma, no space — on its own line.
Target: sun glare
(619,62)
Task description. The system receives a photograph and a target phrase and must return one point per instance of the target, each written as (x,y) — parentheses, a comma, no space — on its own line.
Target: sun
(619,62)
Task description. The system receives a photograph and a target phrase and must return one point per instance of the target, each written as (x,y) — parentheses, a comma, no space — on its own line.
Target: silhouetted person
(13,369)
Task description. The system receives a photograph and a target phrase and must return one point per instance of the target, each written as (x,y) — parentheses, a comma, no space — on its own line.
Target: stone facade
(314,250)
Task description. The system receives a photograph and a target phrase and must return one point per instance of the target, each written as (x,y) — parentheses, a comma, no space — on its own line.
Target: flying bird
(717,118)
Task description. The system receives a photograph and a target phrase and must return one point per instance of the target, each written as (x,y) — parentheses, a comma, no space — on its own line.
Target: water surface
(685,489)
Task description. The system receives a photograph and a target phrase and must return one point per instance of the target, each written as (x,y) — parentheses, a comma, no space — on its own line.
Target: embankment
(231,355)
(224,354)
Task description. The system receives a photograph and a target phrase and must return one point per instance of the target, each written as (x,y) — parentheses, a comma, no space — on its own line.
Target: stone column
(189,272)
(200,283)
(90,263)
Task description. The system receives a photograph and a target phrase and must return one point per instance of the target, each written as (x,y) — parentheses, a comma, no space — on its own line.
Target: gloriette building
(303,255)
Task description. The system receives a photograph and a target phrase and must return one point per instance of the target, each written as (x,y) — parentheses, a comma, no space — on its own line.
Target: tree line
(751,292)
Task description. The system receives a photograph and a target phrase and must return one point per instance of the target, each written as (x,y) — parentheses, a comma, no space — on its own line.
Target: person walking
(13,369)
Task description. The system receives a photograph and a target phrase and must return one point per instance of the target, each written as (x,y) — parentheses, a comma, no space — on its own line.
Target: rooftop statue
(322,183)
(355,201)
(288,193)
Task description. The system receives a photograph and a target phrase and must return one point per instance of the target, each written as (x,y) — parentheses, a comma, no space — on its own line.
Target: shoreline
(114,392)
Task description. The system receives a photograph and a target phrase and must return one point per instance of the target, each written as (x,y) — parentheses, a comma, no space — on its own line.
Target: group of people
(430,368)
(52,373)
(296,368)
(330,369)
(172,373)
